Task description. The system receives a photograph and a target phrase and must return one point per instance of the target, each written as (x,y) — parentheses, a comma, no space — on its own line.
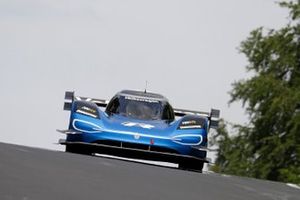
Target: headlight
(87,109)
(188,139)
(85,126)
(195,123)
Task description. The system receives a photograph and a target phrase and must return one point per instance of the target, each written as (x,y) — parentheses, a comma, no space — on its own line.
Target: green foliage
(270,147)
(233,156)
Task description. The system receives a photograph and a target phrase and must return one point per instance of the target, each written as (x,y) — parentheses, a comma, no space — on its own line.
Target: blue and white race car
(138,124)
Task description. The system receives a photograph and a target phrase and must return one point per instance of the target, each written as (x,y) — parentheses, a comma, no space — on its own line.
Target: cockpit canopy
(140,106)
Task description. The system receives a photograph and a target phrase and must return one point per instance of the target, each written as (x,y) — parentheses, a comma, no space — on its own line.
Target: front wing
(133,152)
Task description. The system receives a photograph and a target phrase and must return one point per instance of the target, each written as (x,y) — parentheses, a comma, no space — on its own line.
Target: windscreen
(137,108)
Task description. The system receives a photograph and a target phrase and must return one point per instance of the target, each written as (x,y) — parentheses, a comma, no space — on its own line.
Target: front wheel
(193,165)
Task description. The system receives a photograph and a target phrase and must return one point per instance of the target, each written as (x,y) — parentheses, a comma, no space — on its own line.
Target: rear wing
(213,116)
(70,97)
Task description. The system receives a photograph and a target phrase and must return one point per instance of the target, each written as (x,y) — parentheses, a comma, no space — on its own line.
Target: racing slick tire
(192,165)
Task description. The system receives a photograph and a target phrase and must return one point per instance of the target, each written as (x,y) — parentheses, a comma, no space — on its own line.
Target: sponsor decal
(141,99)
(191,122)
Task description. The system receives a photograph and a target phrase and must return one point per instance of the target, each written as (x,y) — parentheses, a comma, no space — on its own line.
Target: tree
(233,155)
(269,147)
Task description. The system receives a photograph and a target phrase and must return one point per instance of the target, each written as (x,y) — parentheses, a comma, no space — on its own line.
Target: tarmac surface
(35,174)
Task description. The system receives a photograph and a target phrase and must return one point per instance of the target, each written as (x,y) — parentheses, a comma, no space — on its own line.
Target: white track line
(293,185)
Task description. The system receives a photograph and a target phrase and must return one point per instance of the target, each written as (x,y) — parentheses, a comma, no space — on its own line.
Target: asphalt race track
(36,174)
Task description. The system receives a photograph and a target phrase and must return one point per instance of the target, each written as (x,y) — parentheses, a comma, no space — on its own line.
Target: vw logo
(136,136)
